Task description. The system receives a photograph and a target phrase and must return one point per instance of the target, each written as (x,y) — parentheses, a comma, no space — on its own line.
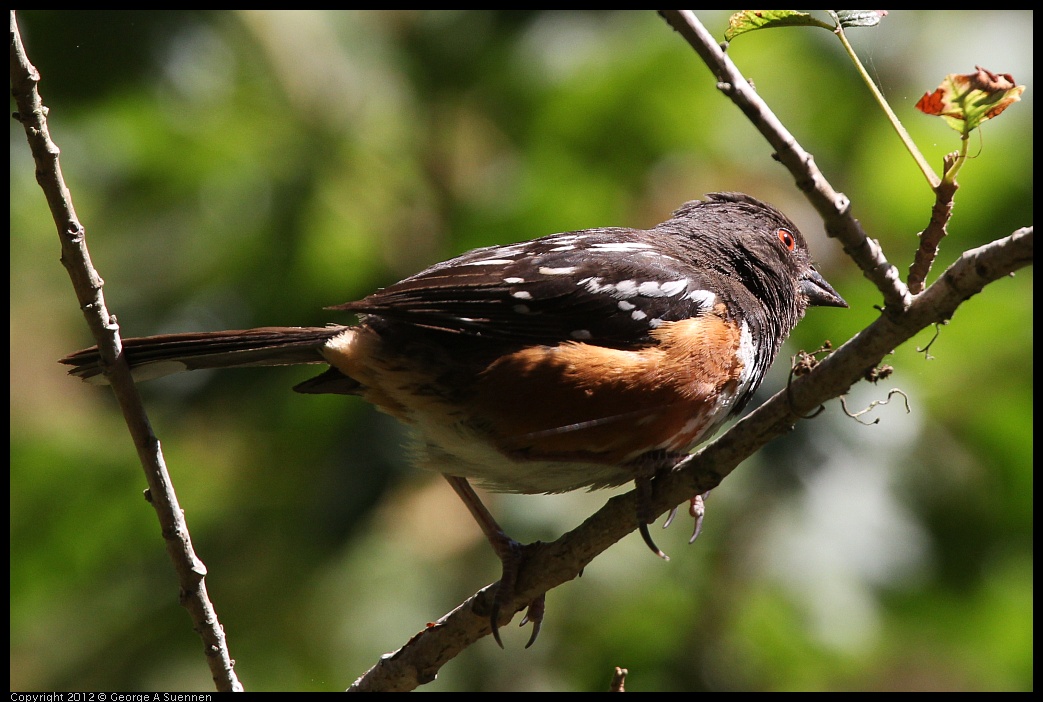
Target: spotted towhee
(579,360)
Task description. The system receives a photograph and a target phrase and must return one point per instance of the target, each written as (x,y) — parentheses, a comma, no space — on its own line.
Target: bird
(580,360)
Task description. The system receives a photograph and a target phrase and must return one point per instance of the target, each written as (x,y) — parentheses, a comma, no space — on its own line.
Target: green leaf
(965,100)
(750,20)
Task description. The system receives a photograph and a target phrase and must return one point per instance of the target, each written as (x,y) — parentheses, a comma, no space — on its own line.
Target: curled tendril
(926,349)
(873,405)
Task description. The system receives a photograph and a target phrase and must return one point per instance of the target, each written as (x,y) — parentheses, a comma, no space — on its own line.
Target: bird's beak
(818,292)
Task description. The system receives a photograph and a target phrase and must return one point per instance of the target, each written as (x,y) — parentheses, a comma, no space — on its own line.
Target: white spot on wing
(513,281)
(522,295)
(510,250)
(674,287)
(650,288)
(626,289)
(637,315)
(565,238)
(621,246)
(490,262)
(622,290)
(705,298)
(567,270)
(626,306)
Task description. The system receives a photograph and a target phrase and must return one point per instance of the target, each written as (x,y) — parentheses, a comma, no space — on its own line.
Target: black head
(751,242)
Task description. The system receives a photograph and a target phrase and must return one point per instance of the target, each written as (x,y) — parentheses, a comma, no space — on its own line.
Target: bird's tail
(155,356)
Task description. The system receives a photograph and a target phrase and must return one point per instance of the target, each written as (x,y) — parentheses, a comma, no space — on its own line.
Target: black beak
(818,292)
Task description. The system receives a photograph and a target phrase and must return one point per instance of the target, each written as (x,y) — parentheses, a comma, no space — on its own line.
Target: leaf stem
(950,172)
(932,177)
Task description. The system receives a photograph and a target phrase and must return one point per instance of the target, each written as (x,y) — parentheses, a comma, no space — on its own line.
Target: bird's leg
(510,553)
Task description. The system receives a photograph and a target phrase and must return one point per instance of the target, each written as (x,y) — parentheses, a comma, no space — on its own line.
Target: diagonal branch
(834,207)
(88,286)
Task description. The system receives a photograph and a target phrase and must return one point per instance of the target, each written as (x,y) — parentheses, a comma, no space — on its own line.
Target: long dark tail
(155,356)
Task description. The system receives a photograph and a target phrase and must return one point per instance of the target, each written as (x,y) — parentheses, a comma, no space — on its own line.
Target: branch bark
(932,235)
(88,284)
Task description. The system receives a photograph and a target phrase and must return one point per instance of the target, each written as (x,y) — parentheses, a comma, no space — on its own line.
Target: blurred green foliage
(238,169)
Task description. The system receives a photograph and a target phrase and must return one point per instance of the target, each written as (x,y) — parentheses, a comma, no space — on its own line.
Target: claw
(511,558)
(534,614)
(670,518)
(494,614)
(651,544)
(494,610)
(643,487)
(697,508)
(510,553)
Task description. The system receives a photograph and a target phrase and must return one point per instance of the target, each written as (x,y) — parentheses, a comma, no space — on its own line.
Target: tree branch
(88,286)
(932,235)
(834,207)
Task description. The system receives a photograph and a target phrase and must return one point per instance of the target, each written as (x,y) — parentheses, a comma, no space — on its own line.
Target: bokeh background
(238,169)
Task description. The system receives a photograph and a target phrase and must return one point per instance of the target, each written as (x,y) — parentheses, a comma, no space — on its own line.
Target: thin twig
(619,678)
(932,235)
(88,286)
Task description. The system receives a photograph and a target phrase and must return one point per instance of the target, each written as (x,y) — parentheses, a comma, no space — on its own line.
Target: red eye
(786,237)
